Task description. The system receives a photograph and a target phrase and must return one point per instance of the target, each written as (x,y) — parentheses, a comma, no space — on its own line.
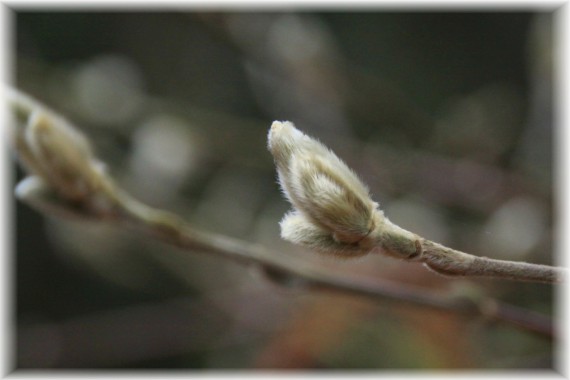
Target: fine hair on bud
(59,154)
(297,229)
(333,210)
(328,199)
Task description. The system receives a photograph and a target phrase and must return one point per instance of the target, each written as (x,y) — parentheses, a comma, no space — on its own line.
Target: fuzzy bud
(333,209)
(59,156)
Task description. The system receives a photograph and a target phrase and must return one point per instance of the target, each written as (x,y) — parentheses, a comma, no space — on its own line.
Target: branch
(67,180)
(450,262)
(334,214)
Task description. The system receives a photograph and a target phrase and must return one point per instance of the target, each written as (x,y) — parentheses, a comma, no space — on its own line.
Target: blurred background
(447,117)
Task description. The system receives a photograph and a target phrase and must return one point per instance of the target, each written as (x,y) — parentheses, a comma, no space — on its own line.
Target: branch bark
(291,272)
(68,180)
(450,262)
(334,214)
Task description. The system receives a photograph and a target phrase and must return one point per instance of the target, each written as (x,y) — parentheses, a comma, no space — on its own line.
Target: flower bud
(299,230)
(333,211)
(62,153)
(333,205)
(328,199)
(59,155)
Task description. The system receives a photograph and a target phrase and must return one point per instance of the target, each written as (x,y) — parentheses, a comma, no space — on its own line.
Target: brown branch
(287,271)
(334,214)
(68,180)
(450,262)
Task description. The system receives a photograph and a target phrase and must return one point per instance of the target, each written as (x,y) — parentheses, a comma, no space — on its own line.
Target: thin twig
(67,179)
(450,262)
(334,214)
(287,270)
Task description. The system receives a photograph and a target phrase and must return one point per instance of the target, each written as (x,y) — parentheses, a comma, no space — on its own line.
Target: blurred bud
(333,209)
(60,155)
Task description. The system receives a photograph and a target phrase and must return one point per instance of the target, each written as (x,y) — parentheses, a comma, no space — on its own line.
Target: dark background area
(447,117)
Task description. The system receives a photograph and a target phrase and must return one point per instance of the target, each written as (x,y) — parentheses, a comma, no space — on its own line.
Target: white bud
(53,150)
(333,211)
(62,153)
(328,200)
(34,191)
(333,204)
(297,229)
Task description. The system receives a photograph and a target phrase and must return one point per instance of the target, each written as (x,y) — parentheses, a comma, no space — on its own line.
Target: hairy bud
(58,155)
(333,209)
